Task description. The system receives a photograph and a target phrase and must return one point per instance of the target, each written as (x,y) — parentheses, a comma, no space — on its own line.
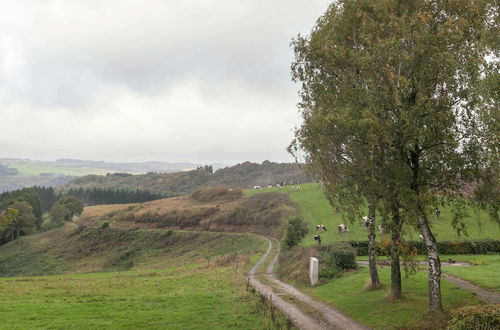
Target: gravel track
(324,316)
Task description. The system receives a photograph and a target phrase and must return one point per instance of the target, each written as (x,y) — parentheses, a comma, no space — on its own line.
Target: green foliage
(50,223)
(445,247)
(329,272)
(95,196)
(475,317)
(104,225)
(65,208)
(296,230)
(339,256)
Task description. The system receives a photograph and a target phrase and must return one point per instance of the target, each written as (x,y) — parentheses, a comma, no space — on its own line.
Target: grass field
(73,249)
(372,307)
(315,209)
(154,279)
(36,169)
(483,272)
(193,296)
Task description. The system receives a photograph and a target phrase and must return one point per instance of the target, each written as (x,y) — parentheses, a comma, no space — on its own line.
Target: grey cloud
(80,63)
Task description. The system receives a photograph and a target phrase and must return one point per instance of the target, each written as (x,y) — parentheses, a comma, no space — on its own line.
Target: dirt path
(480,292)
(305,312)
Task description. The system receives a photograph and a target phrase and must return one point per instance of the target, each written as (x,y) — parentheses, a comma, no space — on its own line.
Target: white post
(313,270)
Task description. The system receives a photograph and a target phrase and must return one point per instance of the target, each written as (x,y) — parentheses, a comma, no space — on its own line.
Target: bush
(475,317)
(457,247)
(329,272)
(339,256)
(104,225)
(296,230)
(50,223)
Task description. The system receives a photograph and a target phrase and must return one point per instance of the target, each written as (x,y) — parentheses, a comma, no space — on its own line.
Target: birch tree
(391,99)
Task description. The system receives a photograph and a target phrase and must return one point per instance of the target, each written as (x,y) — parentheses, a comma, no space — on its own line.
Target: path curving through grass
(304,311)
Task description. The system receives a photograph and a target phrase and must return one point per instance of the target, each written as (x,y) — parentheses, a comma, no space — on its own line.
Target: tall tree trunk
(395,227)
(434,263)
(372,259)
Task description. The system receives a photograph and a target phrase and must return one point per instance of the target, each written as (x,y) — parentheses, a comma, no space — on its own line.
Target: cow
(366,221)
(421,236)
(257,187)
(317,239)
(438,212)
(320,228)
(381,229)
(342,228)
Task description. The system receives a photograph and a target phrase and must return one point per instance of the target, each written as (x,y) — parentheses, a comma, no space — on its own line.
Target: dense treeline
(244,175)
(40,199)
(96,196)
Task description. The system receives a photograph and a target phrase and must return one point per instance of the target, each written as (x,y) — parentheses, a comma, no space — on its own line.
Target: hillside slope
(245,175)
(208,209)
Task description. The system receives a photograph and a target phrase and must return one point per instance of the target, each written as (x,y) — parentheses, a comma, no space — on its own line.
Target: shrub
(50,223)
(339,256)
(456,247)
(475,317)
(104,225)
(296,230)
(329,272)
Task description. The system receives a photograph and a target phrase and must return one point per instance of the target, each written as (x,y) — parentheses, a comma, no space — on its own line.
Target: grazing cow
(421,237)
(337,209)
(321,227)
(317,239)
(438,212)
(278,185)
(366,221)
(342,228)
(381,229)
(257,187)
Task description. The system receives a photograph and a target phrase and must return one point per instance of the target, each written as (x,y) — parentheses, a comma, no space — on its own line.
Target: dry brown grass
(101,210)
(216,209)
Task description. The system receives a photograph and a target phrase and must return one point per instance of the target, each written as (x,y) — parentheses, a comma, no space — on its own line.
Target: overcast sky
(174,80)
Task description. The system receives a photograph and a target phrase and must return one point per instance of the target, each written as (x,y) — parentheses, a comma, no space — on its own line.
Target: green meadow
(315,209)
(374,309)
(115,279)
(196,296)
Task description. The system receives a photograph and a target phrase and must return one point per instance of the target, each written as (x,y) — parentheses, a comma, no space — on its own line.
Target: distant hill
(16,173)
(14,182)
(78,167)
(244,175)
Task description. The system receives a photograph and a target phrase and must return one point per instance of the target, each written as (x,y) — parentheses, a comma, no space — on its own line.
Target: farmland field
(139,279)
(183,297)
(315,209)
(36,169)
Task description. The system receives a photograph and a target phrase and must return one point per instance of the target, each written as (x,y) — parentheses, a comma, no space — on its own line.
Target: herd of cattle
(295,185)
(342,228)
